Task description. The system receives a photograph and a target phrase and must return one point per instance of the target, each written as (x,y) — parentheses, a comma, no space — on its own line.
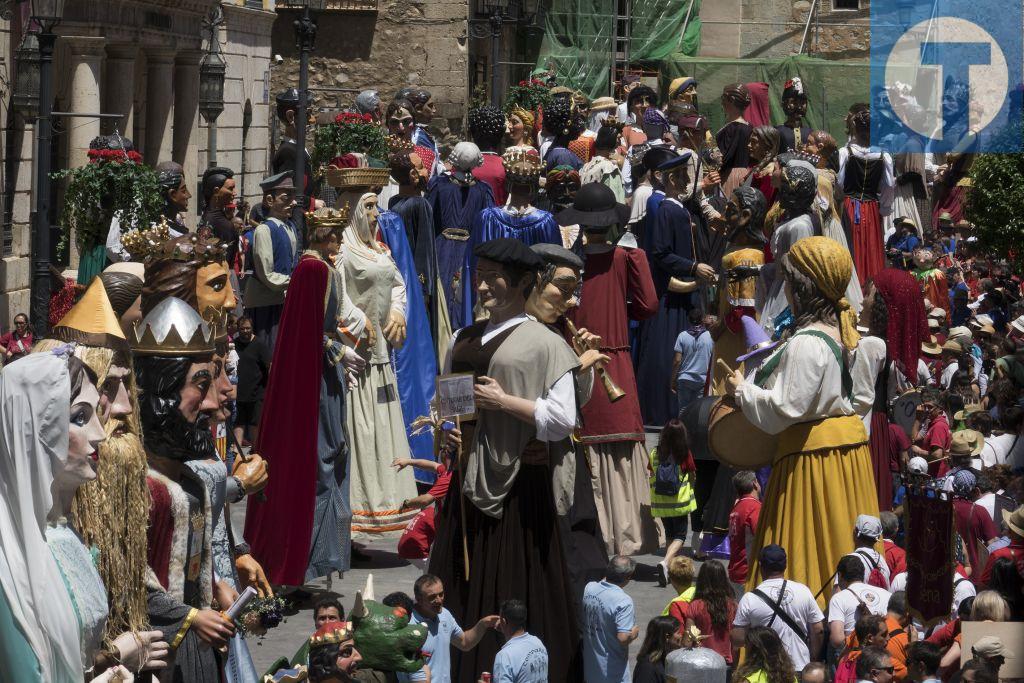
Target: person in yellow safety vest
(681,573)
(672,477)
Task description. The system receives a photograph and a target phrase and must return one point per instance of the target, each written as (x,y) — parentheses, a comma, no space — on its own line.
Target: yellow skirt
(821,480)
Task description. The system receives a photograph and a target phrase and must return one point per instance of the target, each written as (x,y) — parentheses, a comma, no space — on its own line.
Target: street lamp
(305,41)
(25,98)
(211,84)
(46,14)
(499,13)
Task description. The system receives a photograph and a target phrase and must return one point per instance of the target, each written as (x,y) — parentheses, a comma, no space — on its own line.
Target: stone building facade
(139,59)
(775,28)
(380,44)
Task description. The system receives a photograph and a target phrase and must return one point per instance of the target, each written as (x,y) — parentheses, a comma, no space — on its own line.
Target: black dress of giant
(519,555)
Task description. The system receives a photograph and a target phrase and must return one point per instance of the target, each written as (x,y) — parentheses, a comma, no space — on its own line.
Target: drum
(904,410)
(717,428)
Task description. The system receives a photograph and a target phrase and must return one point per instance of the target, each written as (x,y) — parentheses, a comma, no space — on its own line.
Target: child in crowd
(681,574)
(742,526)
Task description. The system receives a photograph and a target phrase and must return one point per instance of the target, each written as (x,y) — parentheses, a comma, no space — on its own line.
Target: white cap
(918,465)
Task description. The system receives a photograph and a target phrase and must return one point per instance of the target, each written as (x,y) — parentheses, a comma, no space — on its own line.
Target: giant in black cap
(595,205)
(657,155)
(509,252)
(556,254)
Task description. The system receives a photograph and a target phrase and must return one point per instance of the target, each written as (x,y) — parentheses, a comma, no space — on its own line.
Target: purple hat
(654,117)
(756,337)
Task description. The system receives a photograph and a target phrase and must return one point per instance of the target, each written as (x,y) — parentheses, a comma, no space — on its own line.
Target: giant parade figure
(821,476)
(526,412)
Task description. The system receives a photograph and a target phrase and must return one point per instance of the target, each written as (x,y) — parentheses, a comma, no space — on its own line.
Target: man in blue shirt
(900,246)
(442,631)
(692,359)
(523,658)
(609,624)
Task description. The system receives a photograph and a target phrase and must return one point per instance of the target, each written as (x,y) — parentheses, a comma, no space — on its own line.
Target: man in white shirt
(867,532)
(787,607)
(853,594)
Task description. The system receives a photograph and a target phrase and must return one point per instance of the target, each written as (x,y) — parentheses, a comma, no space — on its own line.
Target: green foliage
(349,133)
(478,98)
(994,203)
(102,188)
(529,95)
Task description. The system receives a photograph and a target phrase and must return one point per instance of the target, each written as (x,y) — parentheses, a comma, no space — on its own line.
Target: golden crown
(328,218)
(156,243)
(172,328)
(522,166)
(341,632)
(398,145)
(140,243)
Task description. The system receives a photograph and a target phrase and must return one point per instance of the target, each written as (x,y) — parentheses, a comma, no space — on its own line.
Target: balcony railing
(333,5)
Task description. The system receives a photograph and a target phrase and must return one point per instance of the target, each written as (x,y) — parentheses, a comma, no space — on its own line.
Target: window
(845,4)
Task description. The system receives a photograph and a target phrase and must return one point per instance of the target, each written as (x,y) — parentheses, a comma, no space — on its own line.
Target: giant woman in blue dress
(519,220)
(456,198)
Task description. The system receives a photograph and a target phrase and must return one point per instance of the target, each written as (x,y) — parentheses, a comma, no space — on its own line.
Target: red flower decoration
(116,156)
(346,118)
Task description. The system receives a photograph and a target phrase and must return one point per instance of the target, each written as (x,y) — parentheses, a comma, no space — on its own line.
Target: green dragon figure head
(384,637)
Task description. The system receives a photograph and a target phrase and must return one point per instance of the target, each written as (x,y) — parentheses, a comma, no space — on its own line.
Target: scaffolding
(587,42)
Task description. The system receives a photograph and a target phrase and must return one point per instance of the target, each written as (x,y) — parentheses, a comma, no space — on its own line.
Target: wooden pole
(462,502)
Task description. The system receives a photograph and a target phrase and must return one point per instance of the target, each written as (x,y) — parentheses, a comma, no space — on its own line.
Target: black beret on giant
(558,255)
(509,252)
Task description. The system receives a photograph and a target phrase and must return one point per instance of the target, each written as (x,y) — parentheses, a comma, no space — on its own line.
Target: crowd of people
(811,330)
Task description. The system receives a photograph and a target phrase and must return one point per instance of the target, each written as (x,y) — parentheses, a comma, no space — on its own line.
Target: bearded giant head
(174,348)
(112,511)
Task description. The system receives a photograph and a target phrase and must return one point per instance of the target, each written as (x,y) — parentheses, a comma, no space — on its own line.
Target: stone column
(85,64)
(186,123)
(119,89)
(159,106)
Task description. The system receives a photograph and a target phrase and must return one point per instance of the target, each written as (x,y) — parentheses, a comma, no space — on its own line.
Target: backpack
(846,671)
(875,577)
(666,478)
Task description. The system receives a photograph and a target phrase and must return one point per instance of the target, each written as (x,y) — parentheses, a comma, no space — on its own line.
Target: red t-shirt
(742,525)
(898,442)
(974,524)
(440,488)
(937,436)
(1014,552)
(943,637)
(420,531)
(895,557)
(493,173)
(719,639)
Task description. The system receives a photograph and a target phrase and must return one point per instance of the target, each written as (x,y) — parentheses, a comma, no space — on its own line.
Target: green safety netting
(831,86)
(579,35)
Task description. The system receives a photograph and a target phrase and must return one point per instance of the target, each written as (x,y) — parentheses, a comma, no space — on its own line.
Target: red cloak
(617,288)
(279,529)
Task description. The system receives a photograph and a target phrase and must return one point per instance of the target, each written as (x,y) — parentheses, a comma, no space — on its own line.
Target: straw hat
(968,410)
(1015,520)
(931,347)
(953,346)
(966,442)
(603,104)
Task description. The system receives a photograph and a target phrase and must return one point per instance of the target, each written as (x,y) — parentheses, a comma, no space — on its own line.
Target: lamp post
(211,84)
(305,42)
(498,13)
(46,14)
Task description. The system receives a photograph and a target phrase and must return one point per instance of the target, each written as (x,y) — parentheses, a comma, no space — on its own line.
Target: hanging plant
(530,95)
(350,133)
(113,181)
